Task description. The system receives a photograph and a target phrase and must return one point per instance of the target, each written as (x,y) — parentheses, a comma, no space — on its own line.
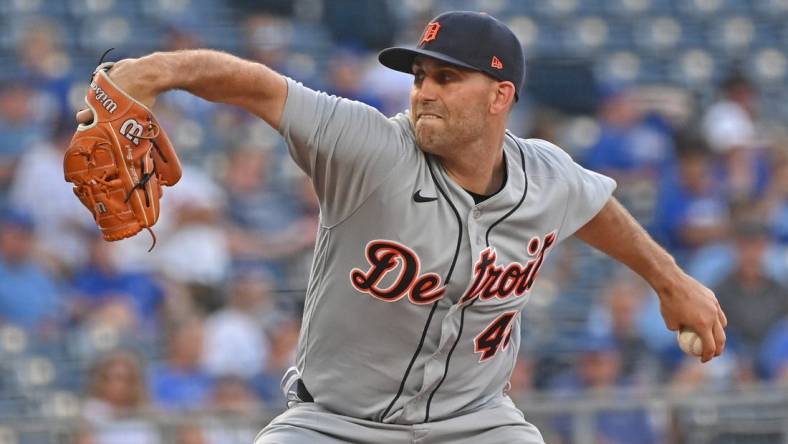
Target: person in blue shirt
(692,211)
(630,141)
(100,283)
(599,369)
(179,382)
(633,147)
(29,295)
(773,357)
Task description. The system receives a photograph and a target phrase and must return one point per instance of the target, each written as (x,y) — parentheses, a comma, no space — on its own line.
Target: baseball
(690,342)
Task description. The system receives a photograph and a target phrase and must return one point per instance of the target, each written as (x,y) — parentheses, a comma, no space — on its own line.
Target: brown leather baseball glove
(119,161)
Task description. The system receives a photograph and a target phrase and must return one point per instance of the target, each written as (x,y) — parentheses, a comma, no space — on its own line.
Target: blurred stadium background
(684,102)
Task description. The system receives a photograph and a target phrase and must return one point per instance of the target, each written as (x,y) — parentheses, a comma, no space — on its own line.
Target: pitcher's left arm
(684,302)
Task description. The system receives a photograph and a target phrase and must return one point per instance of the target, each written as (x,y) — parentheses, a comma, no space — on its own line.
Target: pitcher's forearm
(218,77)
(615,232)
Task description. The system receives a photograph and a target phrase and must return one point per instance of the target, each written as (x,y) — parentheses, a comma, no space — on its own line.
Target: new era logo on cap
(496,63)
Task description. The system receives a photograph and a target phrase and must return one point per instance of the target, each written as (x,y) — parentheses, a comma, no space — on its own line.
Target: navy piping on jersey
(462,315)
(525,191)
(448,359)
(434,304)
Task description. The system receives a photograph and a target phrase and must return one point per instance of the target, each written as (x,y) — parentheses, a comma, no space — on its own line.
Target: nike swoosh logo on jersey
(419,198)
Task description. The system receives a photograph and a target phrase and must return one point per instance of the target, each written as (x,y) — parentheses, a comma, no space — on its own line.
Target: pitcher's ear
(503,98)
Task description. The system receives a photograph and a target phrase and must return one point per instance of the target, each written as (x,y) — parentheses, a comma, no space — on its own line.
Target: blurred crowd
(209,320)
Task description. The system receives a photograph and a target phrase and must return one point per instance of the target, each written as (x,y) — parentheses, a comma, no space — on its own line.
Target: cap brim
(401,58)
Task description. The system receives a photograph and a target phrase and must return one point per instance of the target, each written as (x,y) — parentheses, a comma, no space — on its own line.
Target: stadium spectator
(190,433)
(729,122)
(773,356)
(233,396)
(269,39)
(753,302)
(617,315)
(627,146)
(345,78)
(110,296)
(270,225)
(83,436)
(732,127)
(194,248)
(63,226)
(521,383)
(692,376)
(692,210)
(47,67)
(117,402)
(299,262)
(775,200)
(29,295)
(630,150)
(599,372)
(235,343)
(392,87)
(191,243)
(233,401)
(179,382)
(19,127)
(283,336)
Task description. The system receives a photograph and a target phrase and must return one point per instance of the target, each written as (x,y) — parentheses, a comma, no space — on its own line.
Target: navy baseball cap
(471,40)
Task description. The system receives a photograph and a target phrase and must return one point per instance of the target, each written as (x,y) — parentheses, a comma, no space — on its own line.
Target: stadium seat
(13,340)
(586,34)
(619,66)
(8,436)
(100,339)
(60,404)
(526,29)
(658,34)
(556,8)
(694,67)
(731,34)
(549,39)
(112,31)
(627,8)
(700,8)
(157,8)
(22,7)
(769,66)
(493,7)
(93,8)
(771,9)
(34,372)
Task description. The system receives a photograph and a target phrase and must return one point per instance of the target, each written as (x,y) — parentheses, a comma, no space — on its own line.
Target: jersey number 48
(495,337)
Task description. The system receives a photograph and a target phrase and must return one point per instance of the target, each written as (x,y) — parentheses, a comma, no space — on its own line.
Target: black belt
(302,392)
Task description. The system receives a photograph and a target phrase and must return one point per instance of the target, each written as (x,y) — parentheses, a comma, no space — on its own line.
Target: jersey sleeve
(346,147)
(586,191)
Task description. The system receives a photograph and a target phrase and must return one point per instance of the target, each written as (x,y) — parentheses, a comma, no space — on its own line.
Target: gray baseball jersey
(412,309)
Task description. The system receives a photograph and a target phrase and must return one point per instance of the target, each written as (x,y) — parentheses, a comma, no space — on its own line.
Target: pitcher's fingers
(672,324)
(709,345)
(719,338)
(721,315)
(84,116)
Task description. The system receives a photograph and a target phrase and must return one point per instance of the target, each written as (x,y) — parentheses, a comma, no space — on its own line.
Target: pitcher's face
(449,104)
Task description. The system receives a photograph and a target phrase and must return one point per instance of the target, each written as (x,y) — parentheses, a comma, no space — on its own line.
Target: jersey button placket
(476,232)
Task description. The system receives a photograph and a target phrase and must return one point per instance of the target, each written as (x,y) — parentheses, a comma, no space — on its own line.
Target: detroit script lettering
(489,279)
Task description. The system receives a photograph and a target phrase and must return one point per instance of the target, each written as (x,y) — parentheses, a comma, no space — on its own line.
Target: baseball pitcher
(434,225)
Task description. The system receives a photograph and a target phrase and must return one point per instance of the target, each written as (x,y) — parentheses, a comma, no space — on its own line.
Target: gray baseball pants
(308,423)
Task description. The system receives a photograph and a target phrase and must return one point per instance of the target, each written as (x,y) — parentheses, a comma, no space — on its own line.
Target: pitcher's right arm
(213,75)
